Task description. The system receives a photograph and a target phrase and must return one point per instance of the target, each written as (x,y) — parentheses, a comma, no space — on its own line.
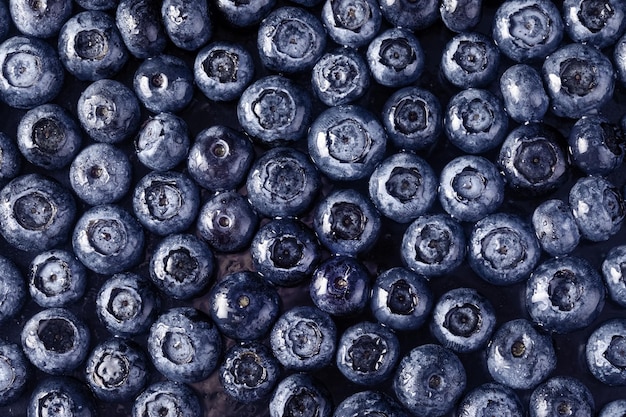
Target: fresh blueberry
(401,299)
(31,72)
(127,304)
(613,274)
(11,162)
(12,290)
(304,339)
(619,57)
(561,395)
(470,188)
(141,27)
(340,286)
(181,266)
(555,227)
(597,23)
(187,22)
(97,4)
(55,395)
(470,59)
(41,19)
(244,306)
(300,395)
(340,77)
(346,142)
(490,399)
(243,14)
(433,245)
(429,380)
(525,98)
(36,213)
(164,83)
(598,208)
(410,14)
(90,46)
(606,352)
(167,398)
(227,222)
(56,278)
(519,356)
(116,370)
(5,21)
(249,372)
(163,142)
(100,174)
(107,239)
(615,408)
(184,345)
(351,23)
(579,79)
(596,145)
(395,57)
(475,121)
(14,372)
(55,340)
(460,16)
(366,403)
(222,70)
(108,111)
(48,136)
(346,222)
(285,251)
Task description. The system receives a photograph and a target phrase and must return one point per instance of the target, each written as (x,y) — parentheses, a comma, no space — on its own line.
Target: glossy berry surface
(491,398)
(56,278)
(605,352)
(14,372)
(162,142)
(340,77)
(167,397)
(612,273)
(470,60)
(561,393)
(351,23)
(556,227)
(299,392)
(395,58)
(222,70)
(369,402)
(54,394)
(596,146)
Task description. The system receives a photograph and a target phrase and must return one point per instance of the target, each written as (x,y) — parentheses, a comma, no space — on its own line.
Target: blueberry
(613,274)
(429,380)
(12,289)
(346,142)
(532,159)
(304,339)
(181,266)
(460,16)
(285,251)
(107,239)
(561,395)
(606,352)
(48,136)
(491,399)
(470,188)
(100,174)
(401,299)
(167,398)
(141,27)
(61,395)
(579,79)
(90,46)
(227,222)
(340,286)
(5,21)
(97,4)
(527,30)
(300,395)
(525,98)
(56,278)
(412,118)
(31,72)
(55,340)
(116,370)
(244,306)
(596,145)
(36,213)
(410,14)
(598,208)
(162,142)
(597,23)
(365,403)
(433,245)
(11,159)
(615,408)
(222,70)
(127,304)
(470,59)
(367,353)
(244,13)
(340,77)
(187,22)
(475,121)
(352,23)
(619,57)
(249,372)
(184,345)
(555,227)
(274,110)
(346,222)
(14,372)
(519,356)
(108,111)
(395,57)
(41,19)
(166,202)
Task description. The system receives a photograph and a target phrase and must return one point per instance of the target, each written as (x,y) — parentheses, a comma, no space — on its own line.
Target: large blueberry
(41,19)
(395,57)
(244,13)
(460,16)
(11,159)
(555,227)
(162,142)
(300,395)
(606,352)
(410,14)
(491,399)
(187,22)
(56,278)
(352,23)
(141,27)
(340,77)
(470,59)
(525,98)
(613,270)
(222,70)
(167,398)
(53,395)
(597,23)
(561,395)
(596,145)
(12,290)
(15,372)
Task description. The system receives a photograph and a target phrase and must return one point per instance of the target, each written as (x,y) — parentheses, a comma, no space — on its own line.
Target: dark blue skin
(285,251)
(475,121)
(401,299)
(61,393)
(596,145)
(97,4)
(220,158)
(340,286)
(56,341)
(561,393)
(187,23)
(90,46)
(564,294)
(5,21)
(615,408)
(525,99)
(31,72)
(613,274)
(304,339)
(351,23)
(519,356)
(395,58)
(56,278)
(227,222)
(169,397)
(184,345)
(11,159)
(460,16)
(463,320)
(298,394)
(40,20)
(222,70)
(181,266)
(141,27)
(555,227)
(244,14)
(36,213)
(598,208)
(605,352)
(12,290)
(410,15)
(619,57)
(595,23)
(117,370)
(49,137)
(15,372)
(470,59)
(100,174)
(162,142)
(369,403)
(491,399)
(340,76)
(367,353)
(244,306)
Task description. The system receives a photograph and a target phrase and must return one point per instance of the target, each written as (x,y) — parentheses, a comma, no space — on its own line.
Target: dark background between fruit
(202,113)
